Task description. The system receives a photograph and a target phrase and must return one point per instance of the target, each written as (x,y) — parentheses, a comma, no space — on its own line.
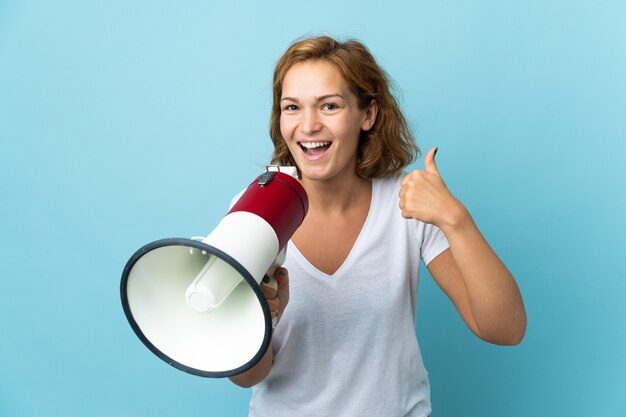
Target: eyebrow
(320,98)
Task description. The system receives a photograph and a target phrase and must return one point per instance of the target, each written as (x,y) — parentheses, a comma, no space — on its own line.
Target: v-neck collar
(354,251)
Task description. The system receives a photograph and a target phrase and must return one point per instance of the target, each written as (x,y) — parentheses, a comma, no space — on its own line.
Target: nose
(310,122)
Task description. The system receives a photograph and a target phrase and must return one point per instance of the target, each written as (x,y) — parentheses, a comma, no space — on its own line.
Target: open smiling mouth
(314,148)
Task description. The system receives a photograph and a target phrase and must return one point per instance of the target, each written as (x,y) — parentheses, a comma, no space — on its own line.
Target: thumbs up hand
(425,197)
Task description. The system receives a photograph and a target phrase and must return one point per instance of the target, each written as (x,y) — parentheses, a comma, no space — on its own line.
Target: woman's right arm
(277,300)
(257,373)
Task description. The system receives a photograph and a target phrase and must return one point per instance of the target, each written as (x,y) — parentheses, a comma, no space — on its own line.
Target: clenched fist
(425,197)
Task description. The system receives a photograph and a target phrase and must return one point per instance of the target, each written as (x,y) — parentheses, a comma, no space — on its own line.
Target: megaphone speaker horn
(197,303)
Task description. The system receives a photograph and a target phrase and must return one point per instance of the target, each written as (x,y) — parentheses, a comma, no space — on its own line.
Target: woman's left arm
(469,272)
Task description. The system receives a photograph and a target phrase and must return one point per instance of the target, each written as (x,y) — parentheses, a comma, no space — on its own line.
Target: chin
(313,174)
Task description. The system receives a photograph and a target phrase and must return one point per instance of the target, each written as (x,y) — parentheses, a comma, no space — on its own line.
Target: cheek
(348,130)
(285,129)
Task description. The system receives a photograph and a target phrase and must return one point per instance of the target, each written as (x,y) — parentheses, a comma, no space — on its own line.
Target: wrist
(456,220)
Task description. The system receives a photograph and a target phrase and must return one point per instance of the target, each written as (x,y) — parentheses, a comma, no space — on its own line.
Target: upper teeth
(311,145)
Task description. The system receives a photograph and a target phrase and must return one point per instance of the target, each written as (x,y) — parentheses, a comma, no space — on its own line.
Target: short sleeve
(433,243)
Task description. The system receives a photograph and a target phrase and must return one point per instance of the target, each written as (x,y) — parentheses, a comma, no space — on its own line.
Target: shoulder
(389,183)
(430,238)
(385,195)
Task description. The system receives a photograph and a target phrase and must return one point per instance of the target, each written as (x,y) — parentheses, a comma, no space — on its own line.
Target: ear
(370,115)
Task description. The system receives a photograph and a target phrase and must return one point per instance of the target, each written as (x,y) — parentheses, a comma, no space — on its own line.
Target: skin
(319,107)
(477,282)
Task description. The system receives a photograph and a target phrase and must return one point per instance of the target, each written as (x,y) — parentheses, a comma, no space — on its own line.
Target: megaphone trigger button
(266,279)
(265,178)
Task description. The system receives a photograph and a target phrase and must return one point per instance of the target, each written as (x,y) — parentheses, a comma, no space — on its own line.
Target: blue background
(122,122)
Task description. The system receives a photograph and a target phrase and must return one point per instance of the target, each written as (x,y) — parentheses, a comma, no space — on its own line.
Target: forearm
(496,303)
(257,373)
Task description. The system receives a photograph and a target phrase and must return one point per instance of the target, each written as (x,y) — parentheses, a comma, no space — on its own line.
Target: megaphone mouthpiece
(213,284)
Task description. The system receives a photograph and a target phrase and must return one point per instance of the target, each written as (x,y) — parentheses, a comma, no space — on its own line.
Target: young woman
(345,344)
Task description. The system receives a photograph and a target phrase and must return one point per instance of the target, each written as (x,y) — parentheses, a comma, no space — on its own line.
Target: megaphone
(196,303)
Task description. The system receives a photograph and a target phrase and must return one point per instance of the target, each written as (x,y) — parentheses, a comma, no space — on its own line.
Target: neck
(336,195)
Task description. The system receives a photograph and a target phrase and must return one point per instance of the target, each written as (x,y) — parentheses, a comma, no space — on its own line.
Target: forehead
(314,77)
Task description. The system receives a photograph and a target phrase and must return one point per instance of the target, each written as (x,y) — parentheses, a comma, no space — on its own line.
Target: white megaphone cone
(196,303)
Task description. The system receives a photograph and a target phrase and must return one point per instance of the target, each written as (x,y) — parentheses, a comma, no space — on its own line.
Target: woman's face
(320,120)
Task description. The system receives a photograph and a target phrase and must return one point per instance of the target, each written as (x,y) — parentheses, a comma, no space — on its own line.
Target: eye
(290,107)
(330,106)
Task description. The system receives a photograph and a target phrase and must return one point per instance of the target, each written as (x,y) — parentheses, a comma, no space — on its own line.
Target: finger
(273,305)
(429,161)
(282,277)
(409,178)
(405,180)
(268,291)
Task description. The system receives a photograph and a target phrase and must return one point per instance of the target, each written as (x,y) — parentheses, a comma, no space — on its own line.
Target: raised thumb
(429,161)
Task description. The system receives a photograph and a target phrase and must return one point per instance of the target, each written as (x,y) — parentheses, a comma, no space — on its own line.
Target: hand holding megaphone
(275,287)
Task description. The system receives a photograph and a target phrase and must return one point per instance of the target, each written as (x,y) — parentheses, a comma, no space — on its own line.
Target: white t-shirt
(346,343)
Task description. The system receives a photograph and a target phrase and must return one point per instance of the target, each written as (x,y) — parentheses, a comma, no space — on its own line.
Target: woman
(346,345)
